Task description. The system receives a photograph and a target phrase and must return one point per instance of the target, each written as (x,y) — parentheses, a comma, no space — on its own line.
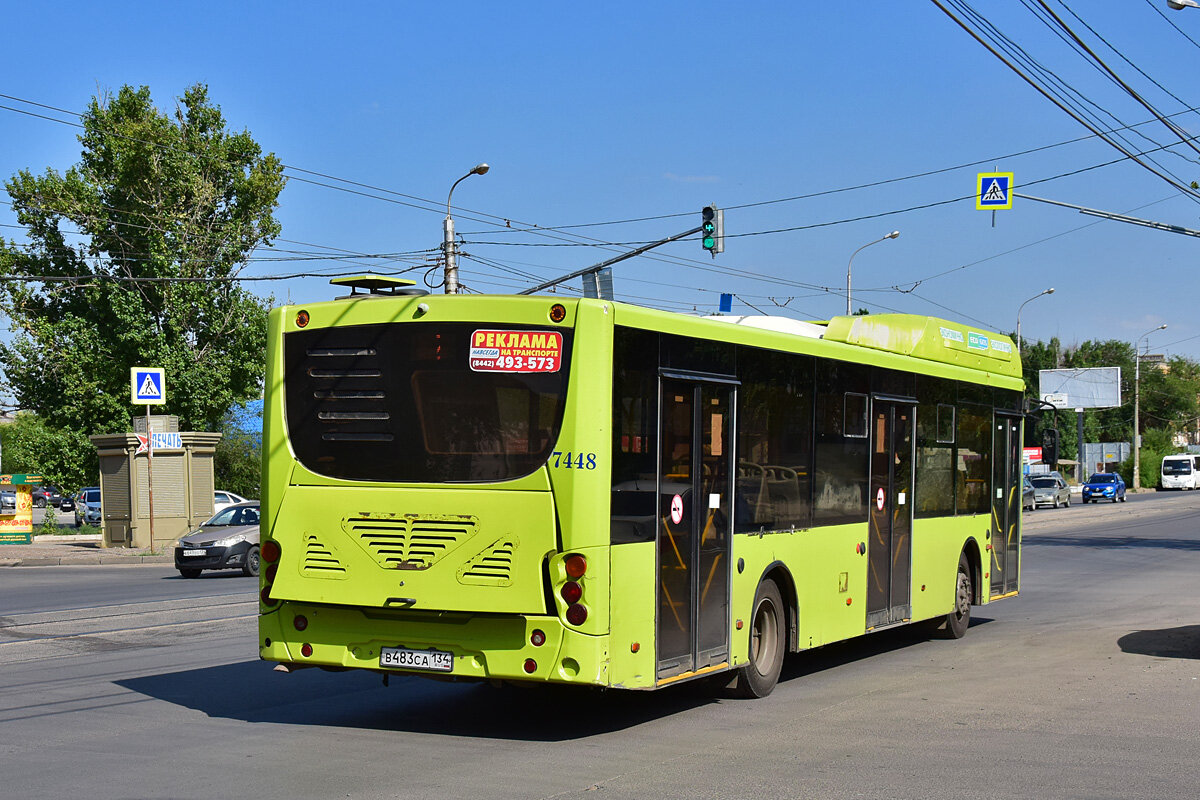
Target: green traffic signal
(711,225)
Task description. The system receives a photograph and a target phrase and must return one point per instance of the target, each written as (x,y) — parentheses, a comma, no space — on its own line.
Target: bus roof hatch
(378,284)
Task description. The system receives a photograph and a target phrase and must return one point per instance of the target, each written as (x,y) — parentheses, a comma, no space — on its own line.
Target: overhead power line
(1182,187)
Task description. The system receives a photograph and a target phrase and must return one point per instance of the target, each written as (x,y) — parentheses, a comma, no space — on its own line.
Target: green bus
(583,491)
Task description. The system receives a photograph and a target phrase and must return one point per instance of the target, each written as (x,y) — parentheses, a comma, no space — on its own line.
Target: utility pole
(451,272)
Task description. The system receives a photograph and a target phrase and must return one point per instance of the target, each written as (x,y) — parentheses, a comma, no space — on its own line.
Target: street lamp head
(480,169)
(1049,291)
(893,235)
(1178,5)
(1162,327)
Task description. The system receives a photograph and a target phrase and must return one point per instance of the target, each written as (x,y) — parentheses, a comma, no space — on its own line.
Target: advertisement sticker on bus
(516,351)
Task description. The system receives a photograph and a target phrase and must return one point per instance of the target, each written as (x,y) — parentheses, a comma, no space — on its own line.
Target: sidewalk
(60,550)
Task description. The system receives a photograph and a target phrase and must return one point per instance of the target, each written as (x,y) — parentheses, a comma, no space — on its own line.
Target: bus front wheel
(767,643)
(958,619)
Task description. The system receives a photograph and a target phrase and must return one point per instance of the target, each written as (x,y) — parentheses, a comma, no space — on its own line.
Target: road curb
(77,561)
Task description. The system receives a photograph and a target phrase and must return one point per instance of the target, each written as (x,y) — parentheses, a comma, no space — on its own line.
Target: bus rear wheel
(767,643)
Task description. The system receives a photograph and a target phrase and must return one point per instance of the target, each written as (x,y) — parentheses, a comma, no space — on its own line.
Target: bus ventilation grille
(492,567)
(409,541)
(319,560)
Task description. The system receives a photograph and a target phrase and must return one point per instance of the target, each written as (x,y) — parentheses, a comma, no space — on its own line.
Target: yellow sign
(993,190)
(16,525)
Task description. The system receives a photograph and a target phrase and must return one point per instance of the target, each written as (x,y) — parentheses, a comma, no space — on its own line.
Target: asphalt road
(1085,686)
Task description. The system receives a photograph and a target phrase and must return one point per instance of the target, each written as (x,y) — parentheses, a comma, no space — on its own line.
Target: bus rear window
(405,403)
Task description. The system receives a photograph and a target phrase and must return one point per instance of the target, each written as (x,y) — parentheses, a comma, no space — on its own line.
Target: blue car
(1104,486)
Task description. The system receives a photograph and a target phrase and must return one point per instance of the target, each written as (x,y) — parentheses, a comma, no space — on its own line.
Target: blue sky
(598,113)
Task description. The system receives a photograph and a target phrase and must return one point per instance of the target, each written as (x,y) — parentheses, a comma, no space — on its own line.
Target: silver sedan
(1049,490)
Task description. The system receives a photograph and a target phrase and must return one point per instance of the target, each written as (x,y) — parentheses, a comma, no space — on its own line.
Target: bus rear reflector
(530,666)
(306,649)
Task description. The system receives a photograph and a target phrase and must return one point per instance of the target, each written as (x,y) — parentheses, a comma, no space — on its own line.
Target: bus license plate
(433,660)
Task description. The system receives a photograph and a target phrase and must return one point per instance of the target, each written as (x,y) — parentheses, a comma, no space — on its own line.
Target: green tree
(129,262)
(1156,443)
(237,462)
(62,457)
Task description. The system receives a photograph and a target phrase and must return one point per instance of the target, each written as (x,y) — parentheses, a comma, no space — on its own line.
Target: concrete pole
(1137,385)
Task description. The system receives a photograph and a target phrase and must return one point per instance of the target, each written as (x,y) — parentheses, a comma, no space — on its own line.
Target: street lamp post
(1137,385)
(892,235)
(1035,297)
(451,279)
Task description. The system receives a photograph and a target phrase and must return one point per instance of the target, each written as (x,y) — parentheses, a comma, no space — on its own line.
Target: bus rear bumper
(483,647)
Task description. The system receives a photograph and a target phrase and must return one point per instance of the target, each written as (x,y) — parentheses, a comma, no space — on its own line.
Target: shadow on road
(251,691)
(1114,542)
(1182,642)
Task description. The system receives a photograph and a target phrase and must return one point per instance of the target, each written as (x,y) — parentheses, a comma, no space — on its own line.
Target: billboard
(1083,387)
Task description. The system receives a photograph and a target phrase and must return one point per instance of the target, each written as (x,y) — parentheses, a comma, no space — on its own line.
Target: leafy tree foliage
(128,263)
(30,445)
(237,463)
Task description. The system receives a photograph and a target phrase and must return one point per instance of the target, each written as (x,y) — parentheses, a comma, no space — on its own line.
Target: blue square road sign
(148,386)
(993,190)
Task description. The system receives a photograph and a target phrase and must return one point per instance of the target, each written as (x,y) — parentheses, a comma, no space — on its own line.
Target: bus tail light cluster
(269,552)
(575,565)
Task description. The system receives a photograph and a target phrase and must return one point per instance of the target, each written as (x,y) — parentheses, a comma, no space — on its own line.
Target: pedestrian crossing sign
(993,190)
(148,386)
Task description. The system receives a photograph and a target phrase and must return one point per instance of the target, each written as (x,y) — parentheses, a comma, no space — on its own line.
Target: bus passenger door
(1006,504)
(695,525)
(889,549)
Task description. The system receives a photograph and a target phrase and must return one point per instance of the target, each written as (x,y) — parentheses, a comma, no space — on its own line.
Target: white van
(1181,471)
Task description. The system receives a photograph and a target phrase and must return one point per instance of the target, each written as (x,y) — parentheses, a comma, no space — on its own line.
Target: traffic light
(712,229)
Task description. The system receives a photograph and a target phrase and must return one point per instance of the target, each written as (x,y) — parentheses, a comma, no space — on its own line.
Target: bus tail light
(270,551)
(571,592)
(577,614)
(575,565)
(537,638)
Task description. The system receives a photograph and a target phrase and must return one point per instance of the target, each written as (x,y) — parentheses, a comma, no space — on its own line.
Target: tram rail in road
(39,635)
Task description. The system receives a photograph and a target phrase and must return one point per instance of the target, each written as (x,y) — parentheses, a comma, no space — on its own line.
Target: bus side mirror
(1050,447)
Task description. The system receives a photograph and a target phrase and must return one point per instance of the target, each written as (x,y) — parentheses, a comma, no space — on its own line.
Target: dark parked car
(66,502)
(46,496)
(1104,486)
(228,540)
